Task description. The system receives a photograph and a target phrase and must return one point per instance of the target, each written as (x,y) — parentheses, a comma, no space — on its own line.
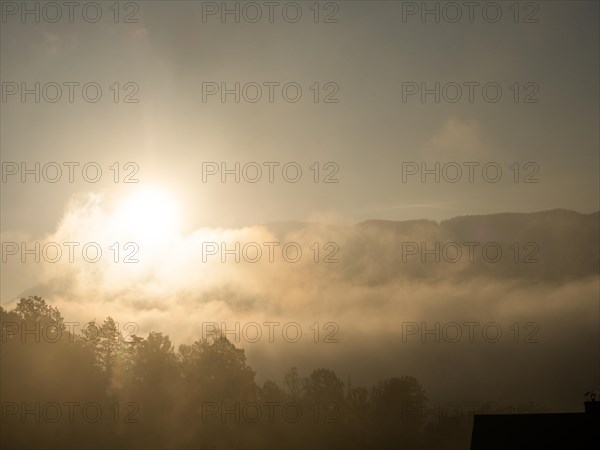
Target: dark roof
(535,431)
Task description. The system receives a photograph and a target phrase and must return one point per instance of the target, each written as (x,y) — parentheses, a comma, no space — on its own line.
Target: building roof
(532,431)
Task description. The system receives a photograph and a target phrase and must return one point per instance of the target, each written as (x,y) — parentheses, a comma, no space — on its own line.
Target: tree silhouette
(293,384)
(35,309)
(324,386)
(398,407)
(153,396)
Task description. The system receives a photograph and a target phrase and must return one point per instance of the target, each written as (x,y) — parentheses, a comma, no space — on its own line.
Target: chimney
(592,406)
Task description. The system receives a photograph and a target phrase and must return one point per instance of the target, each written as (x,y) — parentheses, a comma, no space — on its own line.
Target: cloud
(55,43)
(365,299)
(458,139)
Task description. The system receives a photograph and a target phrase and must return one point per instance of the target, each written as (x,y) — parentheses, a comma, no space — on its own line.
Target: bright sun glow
(149,214)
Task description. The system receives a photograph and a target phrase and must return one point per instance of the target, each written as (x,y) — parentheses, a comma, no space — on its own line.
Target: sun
(149,214)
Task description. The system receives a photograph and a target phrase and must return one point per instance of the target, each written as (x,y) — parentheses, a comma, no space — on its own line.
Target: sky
(368,134)
(352,147)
